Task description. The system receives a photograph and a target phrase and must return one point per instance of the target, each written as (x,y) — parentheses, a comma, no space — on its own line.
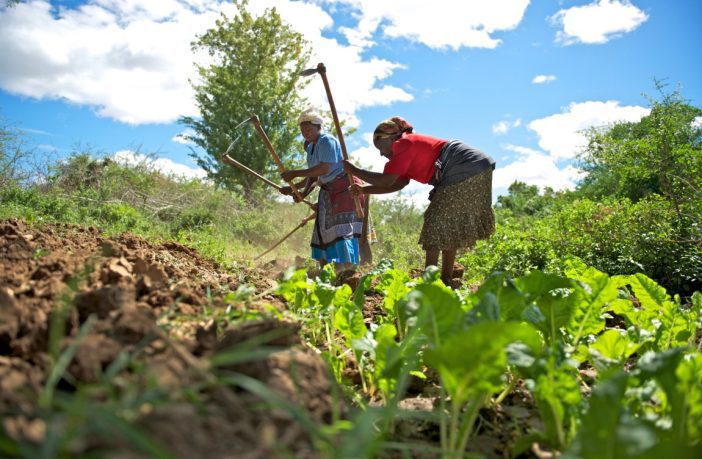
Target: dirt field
(132,291)
(162,309)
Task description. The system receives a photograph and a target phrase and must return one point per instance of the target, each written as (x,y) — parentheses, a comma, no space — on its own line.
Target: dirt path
(156,308)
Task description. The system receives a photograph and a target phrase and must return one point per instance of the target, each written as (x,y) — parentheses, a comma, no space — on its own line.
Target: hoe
(322,70)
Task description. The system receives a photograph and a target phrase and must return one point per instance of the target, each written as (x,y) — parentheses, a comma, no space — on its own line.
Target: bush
(620,237)
(33,204)
(397,226)
(119,215)
(616,236)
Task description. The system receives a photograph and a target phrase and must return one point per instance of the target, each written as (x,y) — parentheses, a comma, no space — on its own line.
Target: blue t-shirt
(326,150)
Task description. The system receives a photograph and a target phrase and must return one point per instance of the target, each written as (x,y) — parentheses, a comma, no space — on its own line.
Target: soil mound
(141,331)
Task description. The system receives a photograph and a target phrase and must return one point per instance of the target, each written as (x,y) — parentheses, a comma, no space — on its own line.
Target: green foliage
(13,155)
(397,225)
(638,208)
(660,154)
(117,198)
(393,285)
(615,236)
(598,292)
(525,200)
(541,327)
(257,62)
(471,364)
(616,426)
(620,237)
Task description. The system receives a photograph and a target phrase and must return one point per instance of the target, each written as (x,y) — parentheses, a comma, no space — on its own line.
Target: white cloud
(535,168)
(597,22)
(697,122)
(368,157)
(131,60)
(130,67)
(561,135)
(162,165)
(541,79)
(503,127)
(438,24)
(355,81)
(561,138)
(500,128)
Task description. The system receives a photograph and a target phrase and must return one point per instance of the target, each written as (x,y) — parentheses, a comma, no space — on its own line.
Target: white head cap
(310,115)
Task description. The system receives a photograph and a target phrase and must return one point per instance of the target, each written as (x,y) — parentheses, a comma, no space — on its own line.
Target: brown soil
(163,306)
(145,321)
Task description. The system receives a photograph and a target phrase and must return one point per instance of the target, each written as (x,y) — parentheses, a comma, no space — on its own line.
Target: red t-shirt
(413,157)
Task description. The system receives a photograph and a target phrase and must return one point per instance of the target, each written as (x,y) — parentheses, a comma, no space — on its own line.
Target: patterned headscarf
(310,115)
(391,127)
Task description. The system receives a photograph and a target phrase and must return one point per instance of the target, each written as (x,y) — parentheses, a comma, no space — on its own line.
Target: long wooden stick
(229,160)
(276,158)
(323,72)
(302,223)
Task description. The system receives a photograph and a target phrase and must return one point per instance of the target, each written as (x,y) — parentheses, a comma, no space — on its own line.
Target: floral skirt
(459,214)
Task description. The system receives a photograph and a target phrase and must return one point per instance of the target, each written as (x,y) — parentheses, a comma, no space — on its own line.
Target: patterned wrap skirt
(337,228)
(459,214)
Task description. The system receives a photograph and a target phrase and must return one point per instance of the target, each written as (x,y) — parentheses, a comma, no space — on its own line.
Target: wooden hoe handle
(269,146)
(302,223)
(229,160)
(322,70)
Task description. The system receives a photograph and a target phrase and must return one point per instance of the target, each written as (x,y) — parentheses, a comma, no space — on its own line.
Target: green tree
(660,154)
(13,155)
(255,69)
(523,199)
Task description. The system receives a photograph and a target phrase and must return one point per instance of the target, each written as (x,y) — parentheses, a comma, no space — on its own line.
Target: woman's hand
(300,193)
(356,190)
(286,190)
(289,175)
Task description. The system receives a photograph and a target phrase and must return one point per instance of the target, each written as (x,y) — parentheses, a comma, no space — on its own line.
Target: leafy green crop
(541,327)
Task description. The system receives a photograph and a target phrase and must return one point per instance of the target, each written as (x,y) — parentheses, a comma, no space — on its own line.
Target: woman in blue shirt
(337,228)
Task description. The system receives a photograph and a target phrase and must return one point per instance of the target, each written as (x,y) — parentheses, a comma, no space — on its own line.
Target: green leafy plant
(471,364)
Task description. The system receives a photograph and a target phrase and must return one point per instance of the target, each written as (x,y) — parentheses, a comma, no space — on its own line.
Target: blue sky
(518,79)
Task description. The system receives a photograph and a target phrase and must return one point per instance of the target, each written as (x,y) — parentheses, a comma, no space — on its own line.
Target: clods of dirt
(143,323)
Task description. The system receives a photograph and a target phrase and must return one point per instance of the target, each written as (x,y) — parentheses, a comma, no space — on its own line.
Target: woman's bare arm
(374,178)
(399,184)
(316,171)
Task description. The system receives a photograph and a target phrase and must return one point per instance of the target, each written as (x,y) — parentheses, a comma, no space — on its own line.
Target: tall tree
(255,69)
(660,154)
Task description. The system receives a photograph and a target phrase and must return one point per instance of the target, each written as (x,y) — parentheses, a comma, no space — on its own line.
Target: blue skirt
(342,251)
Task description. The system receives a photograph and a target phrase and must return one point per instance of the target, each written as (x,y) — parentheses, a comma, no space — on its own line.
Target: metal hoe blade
(308,72)
(231,145)
(242,123)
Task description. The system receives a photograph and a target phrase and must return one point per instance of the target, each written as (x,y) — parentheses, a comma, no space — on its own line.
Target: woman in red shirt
(460,212)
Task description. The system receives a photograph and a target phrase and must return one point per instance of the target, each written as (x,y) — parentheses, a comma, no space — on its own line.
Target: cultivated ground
(149,302)
(137,325)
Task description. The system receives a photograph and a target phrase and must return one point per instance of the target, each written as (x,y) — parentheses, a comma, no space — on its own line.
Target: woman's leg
(341,267)
(447,258)
(432,257)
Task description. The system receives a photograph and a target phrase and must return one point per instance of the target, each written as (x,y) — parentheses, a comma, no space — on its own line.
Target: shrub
(615,236)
